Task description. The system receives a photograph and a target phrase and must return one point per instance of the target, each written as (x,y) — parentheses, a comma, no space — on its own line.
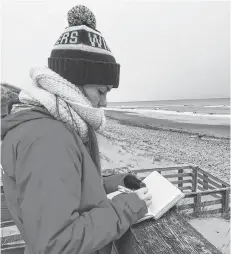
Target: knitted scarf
(65,102)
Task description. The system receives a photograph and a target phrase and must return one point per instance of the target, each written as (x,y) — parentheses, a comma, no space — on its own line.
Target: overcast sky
(167,50)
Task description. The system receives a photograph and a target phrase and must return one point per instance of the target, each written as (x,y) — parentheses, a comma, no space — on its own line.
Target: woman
(52,179)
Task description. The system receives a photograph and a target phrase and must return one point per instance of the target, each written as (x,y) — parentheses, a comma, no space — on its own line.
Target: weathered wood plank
(184,207)
(180,178)
(5,214)
(208,212)
(225,201)
(178,175)
(194,179)
(171,234)
(7,223)
(16,249)
(185,188)
(161,169)
(203,204)
(210,187)
(211,202)
(10,239)
(205,178)
(218,195)
(213,177)
(181,181)
(197,202)
(207,192)
(213,195)
(205,182)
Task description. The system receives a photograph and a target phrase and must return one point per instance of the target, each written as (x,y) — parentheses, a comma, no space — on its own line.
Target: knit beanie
(81,54)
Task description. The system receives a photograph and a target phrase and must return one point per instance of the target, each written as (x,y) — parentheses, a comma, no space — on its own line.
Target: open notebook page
(164,195)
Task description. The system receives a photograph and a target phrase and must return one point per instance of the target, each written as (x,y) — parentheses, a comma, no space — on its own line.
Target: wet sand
(202,129)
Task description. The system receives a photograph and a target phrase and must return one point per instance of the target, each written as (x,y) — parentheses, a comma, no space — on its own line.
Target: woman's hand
(132,182)
(144,195)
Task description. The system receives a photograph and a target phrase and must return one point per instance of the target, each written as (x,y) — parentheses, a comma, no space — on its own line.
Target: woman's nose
(103,102)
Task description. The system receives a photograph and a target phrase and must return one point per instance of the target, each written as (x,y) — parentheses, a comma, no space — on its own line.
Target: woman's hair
(9,97)
(92,143)
(94,147)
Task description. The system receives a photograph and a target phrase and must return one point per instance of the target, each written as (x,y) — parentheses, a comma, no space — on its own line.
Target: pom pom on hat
(81,15)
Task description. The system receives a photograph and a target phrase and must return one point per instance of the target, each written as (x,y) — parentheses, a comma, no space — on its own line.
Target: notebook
(164,195)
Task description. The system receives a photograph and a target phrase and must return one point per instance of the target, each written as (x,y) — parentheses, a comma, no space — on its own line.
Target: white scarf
(63,100)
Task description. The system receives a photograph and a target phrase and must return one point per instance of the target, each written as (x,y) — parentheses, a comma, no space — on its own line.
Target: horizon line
(173,100)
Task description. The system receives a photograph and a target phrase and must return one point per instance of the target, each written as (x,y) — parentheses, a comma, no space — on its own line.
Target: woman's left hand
(133,182)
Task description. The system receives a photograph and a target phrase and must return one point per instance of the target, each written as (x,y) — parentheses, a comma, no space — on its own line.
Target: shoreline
(173,110)
(194,129)
(136,142)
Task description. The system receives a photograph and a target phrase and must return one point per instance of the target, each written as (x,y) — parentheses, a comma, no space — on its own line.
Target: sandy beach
(138,142)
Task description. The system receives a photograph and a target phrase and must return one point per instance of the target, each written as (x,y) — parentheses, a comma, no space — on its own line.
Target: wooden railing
(197,184)
(199,207)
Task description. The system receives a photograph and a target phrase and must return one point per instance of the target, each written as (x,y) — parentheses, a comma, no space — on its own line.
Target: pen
(124,189)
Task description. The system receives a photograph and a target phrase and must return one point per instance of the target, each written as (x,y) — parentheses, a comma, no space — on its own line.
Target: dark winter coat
(54,191)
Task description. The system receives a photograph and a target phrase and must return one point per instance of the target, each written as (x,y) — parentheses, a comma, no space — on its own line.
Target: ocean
(214,112)
(218,106)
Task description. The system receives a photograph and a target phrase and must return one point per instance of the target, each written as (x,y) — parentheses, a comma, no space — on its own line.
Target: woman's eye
(100,92)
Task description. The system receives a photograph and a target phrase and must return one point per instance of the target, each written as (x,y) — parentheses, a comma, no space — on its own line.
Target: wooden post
(206,182)
(194,179)
(225,201)
(197,203)
(180,178)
